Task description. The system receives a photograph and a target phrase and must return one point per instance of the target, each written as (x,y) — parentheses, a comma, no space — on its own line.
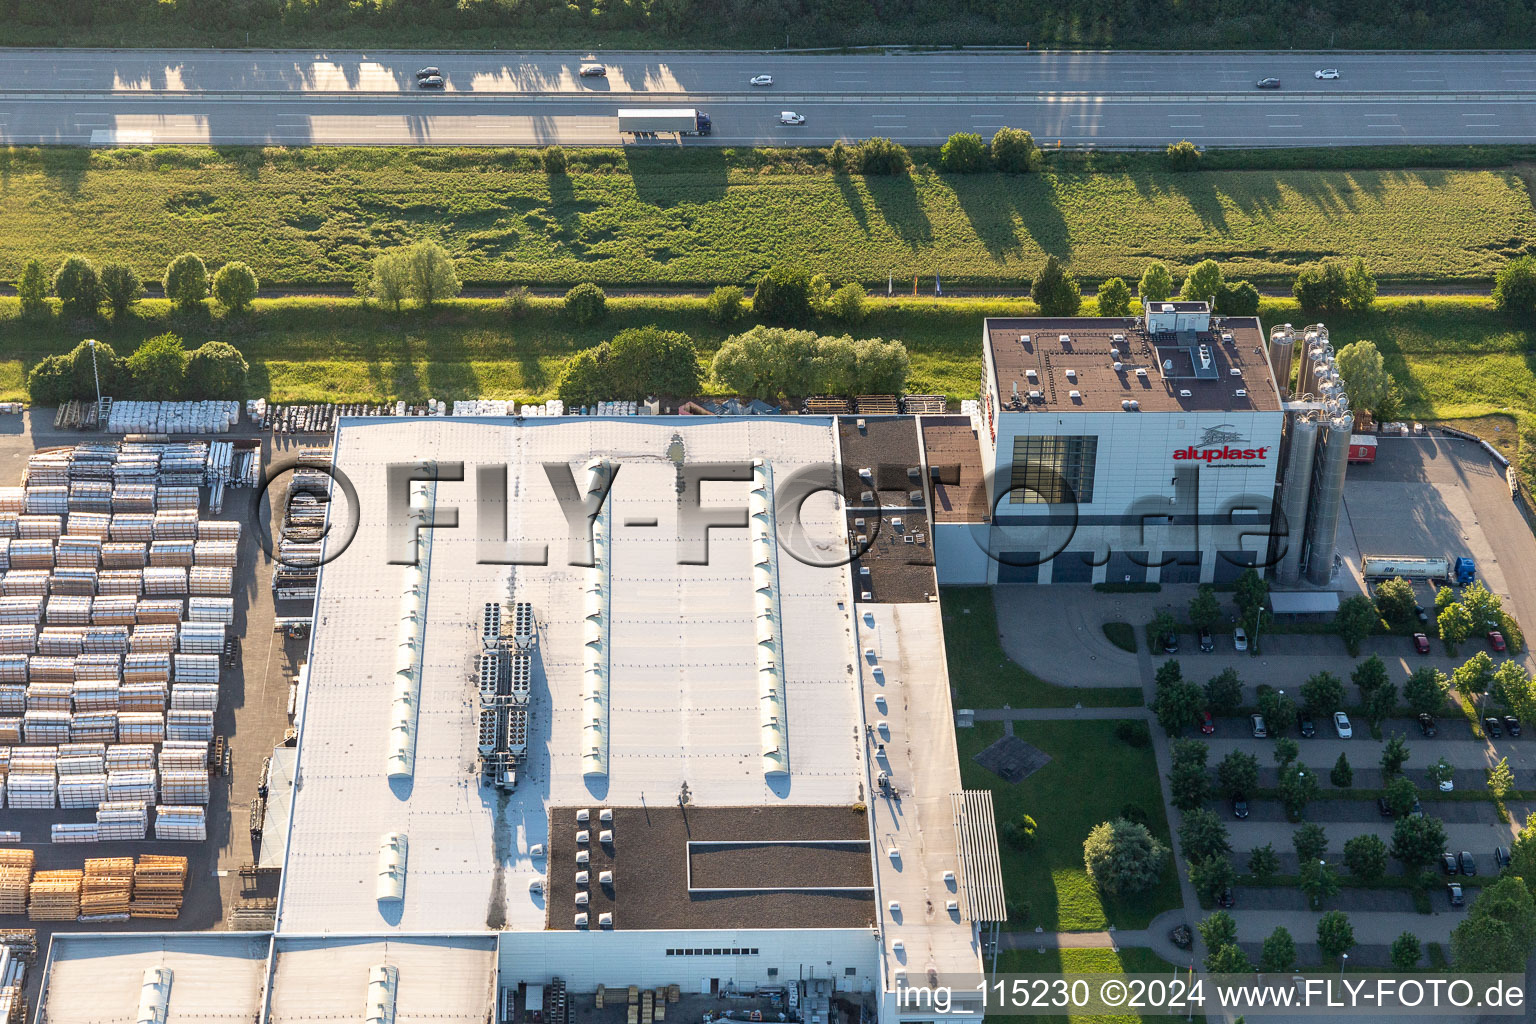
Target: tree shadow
(853,200)
(895,196)
(658,181)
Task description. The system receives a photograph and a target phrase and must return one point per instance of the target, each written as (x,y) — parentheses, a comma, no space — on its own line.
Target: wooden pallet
(54,896)
(158,885)
(106,886)
(15,878)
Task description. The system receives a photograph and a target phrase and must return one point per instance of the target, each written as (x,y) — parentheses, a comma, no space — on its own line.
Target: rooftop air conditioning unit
(1235,372)
(861,540)
(581,878)
(1023,339)
(1241,392)
(895,907)
(1118,338)
(1126,404)
(949,878)
(536,886)
(1118,365)
(1135,405)
(1075,394)
(866,496)
(1034,396)
(582,856)
(864,572)
(1186,393)
(605,878)
(865,595)
(536,850)
(581,920)
(1167,307)
(581,899)
(1141,371)
(1227,338)
(860,424)
(896,522)
(859,523)
(581,837)
(1065,339)
(865,473)
(1072,375)
(605,837)
(1031,374)
(583,814)
(605,920)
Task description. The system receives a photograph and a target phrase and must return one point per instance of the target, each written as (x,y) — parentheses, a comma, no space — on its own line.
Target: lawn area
(983,676)
(1087,961)
(1091,777)
(706,216)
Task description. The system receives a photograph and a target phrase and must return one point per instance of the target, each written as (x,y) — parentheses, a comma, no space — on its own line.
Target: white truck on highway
(664,120)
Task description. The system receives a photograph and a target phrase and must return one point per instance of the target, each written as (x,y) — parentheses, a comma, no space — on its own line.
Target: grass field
(983,676)
(722,216)
(1051,878)
(1089,961)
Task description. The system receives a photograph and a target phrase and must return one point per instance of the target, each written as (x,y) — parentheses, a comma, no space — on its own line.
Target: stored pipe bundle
(31,553)
(21,610)
(93,725)
(73,582)
(163,611)
(114,610)
(211,609)
(118,582)
(132,527)
(155,637)
(140,727)
(105,640)
(171,552)
(143,697)
(34,527)
(90,524)
(124,554)
(25,583)
(61,642)
(180,822)
(195,668)
(176,524)
(210,581)
(98,666)
(68,611)
(201,638)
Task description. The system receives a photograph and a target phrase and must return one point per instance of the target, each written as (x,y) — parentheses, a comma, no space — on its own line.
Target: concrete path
(1057,714)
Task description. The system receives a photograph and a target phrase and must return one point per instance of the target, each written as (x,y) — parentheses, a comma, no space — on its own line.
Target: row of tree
(161,369)
(83,290)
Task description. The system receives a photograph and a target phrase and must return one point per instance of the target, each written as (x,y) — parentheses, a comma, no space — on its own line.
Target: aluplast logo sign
(1216,446)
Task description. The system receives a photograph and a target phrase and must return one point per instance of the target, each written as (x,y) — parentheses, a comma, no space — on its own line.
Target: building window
(1052,470)
(850,971)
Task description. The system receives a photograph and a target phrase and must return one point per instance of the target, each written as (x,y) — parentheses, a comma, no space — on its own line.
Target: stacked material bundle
(120,820)
(201,638)
(105,640)
(45,726)
(120,582)
(158,885)
(74,832)
(45,693)
(25,583)
(25,610)
(195,668)
(17,638)
(10,729)
(73,552)
(147,698)
(128,757)
(115,609)
(69,610)
(172,552)
(211,609)
(61,642)
(30,527)
(54,896)
(98,667)
(175,524)
(74,582)
(214,553)
(195,697)
(90,524)
(132,498)
(185,787)
(158,610)
(106,886)
(189,724)
(218,529)
(132,527)
(30,553)
(159,638)
(93,726)
(96,695)
(181,822)
(81,759)
(165,581)
(147,667)
(130,786)
(13,699)
(77,792)
(205,417)
(15,877)
(210,580)
(140,727)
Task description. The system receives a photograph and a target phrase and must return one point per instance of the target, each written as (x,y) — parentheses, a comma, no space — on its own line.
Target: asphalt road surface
(149,97)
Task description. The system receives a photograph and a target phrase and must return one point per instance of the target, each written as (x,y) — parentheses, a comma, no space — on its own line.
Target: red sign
(1221,454)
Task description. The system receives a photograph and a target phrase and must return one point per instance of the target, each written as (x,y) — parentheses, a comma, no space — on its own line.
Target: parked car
(1170,644)
(428,73)
(594,71)
(1267,83)
(1226,898)
(1420,613)
(430,82)
(790,117)
(1496,640)
(1240,639)
(1468,865)
(1453,890)
(1421,643)
(1417,810)
(1240,807)
(1207,642)
(1448,863)
(1326,73)
(1259,731)
(1308,727)
(1500,857)
(1491,727)
(1512,725)
(1447,785)
(1383,807)
(1207,723)
(762,80)
(1341,725)
(1427,724)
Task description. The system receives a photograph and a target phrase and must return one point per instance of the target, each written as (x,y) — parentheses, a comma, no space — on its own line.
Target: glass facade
(1052,470)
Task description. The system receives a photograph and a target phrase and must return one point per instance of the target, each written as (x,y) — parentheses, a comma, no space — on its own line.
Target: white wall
(961,560)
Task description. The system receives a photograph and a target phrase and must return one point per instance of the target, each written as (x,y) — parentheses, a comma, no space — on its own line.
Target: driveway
(1322,752)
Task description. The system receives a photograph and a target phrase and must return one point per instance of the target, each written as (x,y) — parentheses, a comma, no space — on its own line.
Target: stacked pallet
(158,885)
(15,878)
(54,896)
(106,886)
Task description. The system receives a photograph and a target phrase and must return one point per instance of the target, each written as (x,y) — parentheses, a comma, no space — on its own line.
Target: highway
(145,97)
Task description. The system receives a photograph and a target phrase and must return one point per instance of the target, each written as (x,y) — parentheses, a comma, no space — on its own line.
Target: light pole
(1344,959)
(95,374)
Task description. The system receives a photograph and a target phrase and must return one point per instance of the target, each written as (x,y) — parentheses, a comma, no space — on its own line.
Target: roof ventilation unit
(605,837)
(865,473)
(1031,374)
(581,878)
(1135,405)
(536,850)
(582,837)
(583,857)
(1075,395)
(583,816)
(383,986)
(155,996)
(580,920)
(949,878)
(1071,375)
(1125,404)
(894,906)
(605,920)
(1186,393)
(1241,393)
(1118,339)
(581,898)
(1034,396)
(605,878)
(1065,339)
(1118,366)
(1141,371)
(536,886)
(393,849)
(606,814)
(860,424)
(1023,339)
(953,906)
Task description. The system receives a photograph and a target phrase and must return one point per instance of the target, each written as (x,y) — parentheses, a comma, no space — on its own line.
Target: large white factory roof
(104,979)
(682,672)
(437,980)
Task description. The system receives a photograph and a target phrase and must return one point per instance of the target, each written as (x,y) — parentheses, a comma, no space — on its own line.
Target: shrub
(517,301)
(186,281)
(1020,832)
(1114,298)
(235,286)
(1133,732)
(1514,287)
(584,378)
(1203,283)
(1014,151)
(1156,283)
(51,381)
(839,157)
(32,289)
(586,303)
(78,287)
(1359,286)
(1123,858)
(880,156)
(1237,298)
(430,273)
(554,160)
(1122,635)
(1321,287)
(767,362)
(964,153)
(1183,156)
(216,369)
(120,287)
(846,305)
(390,281)
(783,293)
(1056,291)
(724,305)
(159,367)
(646,361)
(1134,813)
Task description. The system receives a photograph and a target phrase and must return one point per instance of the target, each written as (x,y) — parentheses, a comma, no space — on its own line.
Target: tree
(1217,930)
(584,378)
(1286,751)
(1364,373)
(1123,858)
(235,286)
(586,303)
(1335,937)
(1317,880)
(186,282)
(1342,775)
(1204,609)
(1354,620)
(1014,151)
(1501,780)
(1381,704)
(1238,298)
(1522,853)
(1202,835)
(554,160)
(432,274)
(1395,600)
(1163,624)
(1455,626)
(1365,857)
(1359,287)
(1406,952)
(390,281)
(1176,706)
(1370,675)
(1426,690)
(120,287)
(1114,298)
(1512,688)
(964,153)
(880,156)
(1444,598)
(1056,291)
(1499,931)
(1298,787)
(1156,283)
(78,287)
(1310,842)
(1279,712)
(1252,590)
(783,293)
(1400,793)
(1474,676)
(159,367)
(1212,876)
(647,361)
(1514,287)
(1224,692)
(1020,832)
(1183,156)
(32,289)
(724,305)
(1187,781)
(1483,606)
(846,304)
(1320,287)
(1279,953)
(50,382)
(1322,693)
(1263,862)
(1229,959)
(216,369)
(1237,774)
(1203,283)
(1417,840)
(1394,753)
(107,366)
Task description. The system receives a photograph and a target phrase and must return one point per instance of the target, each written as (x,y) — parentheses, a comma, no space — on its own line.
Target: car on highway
(1468,865)
(1308,727)
(594,71)
(1453,890)
(1259,731)
(1207,723)
(1240,639)
(1267,83)
(428,73)
(790,117)
(430,82)
(761,80)
(1341,725)
(1421,643)
(1512,725)
(1427,725)
(1448,862)
(1326,73)
(1207,642)
(1239,806)
(1496,640)
(1491,727)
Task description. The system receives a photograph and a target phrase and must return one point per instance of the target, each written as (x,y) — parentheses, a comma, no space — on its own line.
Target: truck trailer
(664,120)
(1362,448)
(1461,570)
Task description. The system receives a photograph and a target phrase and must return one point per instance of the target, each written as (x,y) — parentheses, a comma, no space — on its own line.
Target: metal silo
(1282,350)
(1295,488)
(1328,498)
